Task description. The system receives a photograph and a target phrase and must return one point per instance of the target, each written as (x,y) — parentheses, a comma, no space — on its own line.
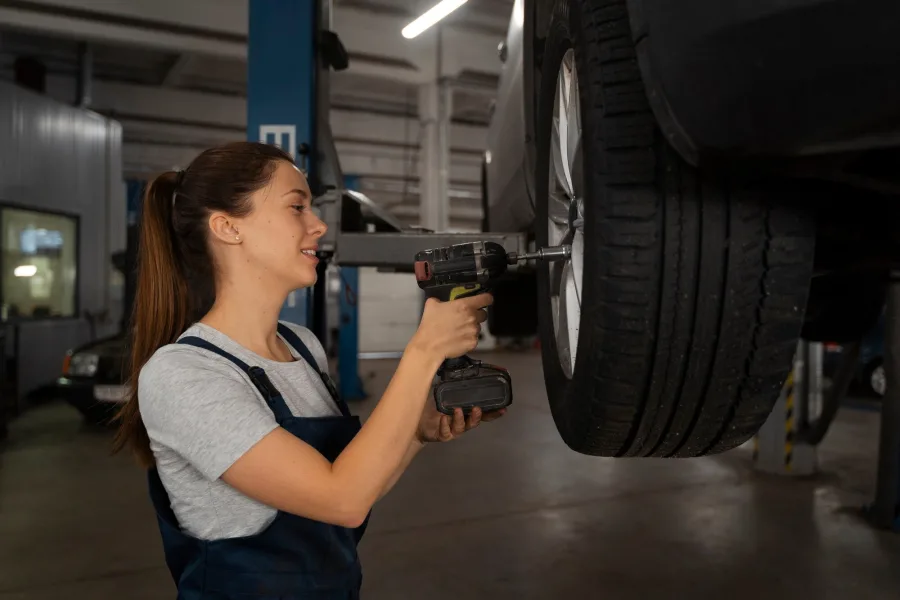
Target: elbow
(352,521)
(351,513)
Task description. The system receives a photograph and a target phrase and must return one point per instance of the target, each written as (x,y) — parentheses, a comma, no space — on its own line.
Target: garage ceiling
(383,80)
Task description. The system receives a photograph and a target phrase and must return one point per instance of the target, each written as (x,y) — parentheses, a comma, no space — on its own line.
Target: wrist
(422,355)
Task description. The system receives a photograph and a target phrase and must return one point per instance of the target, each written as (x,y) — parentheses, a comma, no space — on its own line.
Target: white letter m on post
(283,136)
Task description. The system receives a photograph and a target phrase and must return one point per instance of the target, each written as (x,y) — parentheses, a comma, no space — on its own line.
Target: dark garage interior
(686,383)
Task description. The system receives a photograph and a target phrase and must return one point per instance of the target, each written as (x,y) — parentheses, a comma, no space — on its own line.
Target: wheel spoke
(563,341)
(573,130)
(564,127)
(560,167)
(577,243)
(558,208)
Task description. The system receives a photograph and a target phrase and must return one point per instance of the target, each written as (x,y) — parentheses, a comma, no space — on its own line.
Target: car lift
(787,442)
(291,50)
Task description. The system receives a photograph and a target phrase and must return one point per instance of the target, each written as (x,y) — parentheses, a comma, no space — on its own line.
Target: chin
(306,279)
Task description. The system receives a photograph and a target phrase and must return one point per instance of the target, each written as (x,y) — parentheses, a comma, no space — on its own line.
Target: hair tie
(179,177)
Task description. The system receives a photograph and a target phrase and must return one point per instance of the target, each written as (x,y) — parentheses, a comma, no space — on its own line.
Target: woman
(261,479)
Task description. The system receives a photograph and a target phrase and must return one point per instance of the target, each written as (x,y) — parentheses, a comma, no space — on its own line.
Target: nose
(317,227)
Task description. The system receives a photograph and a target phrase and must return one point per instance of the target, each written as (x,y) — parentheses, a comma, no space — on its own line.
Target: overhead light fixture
(25,271)
(431,16)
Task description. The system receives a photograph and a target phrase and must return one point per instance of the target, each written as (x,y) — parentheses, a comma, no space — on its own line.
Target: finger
(444,428)
(493,415)
(474,418)
(459,422)
(481,316)
(478,301)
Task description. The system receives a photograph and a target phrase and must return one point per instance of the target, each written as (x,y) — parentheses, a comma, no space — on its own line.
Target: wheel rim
(565,222)
(878,381)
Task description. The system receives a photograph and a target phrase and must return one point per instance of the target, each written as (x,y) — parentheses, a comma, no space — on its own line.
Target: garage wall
(57,157)
(390,306)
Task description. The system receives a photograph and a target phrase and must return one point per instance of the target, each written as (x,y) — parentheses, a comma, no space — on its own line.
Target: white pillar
(434,155)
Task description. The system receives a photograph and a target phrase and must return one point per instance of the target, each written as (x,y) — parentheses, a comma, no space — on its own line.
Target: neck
(248,314)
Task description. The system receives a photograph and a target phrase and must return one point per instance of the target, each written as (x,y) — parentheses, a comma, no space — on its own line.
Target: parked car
(870,364)
(719,169)
(92,378)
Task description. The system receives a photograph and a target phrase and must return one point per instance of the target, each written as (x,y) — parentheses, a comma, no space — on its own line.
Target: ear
(224,228)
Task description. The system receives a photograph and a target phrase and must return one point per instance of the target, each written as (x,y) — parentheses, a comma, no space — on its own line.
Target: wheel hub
(566,212)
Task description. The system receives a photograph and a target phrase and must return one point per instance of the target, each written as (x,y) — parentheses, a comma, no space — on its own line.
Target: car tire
(692,291)
(101,415)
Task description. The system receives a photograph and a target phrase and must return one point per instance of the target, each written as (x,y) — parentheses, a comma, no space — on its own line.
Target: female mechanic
(261,479)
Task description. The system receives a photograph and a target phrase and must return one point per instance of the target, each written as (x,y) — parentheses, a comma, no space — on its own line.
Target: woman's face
(280,236)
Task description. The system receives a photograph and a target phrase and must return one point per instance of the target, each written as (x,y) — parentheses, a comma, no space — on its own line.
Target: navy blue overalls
(294,558)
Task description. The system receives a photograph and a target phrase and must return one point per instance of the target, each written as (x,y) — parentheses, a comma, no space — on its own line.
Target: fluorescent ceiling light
(432,16)
(25,271)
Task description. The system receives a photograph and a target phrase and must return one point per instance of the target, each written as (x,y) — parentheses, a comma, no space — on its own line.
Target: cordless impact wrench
(461,271)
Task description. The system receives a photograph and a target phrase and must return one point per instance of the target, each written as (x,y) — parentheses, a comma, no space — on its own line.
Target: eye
(299,207)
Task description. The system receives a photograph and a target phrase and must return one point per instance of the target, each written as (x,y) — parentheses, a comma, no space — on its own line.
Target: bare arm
(411,453)
(285,473)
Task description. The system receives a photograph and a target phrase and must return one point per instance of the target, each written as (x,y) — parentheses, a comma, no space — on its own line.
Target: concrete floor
(508,512)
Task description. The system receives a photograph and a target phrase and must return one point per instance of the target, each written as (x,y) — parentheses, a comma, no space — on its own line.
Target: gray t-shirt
(202,413)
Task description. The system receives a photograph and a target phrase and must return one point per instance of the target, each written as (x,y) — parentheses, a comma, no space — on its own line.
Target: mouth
(310,253)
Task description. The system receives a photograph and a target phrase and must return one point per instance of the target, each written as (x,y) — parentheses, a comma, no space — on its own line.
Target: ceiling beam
(199,111)
(88,29)
(215,28)
(175,73)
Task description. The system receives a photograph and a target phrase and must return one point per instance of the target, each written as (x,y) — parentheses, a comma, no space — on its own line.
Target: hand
(435,426)
(450,329)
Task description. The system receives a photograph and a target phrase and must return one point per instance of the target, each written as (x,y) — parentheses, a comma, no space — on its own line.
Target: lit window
(39,264)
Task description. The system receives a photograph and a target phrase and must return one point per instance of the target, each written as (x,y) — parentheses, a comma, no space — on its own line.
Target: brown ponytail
(175,272)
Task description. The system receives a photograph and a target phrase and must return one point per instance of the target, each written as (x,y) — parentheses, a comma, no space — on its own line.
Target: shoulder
(310,340)
(178,369)
(177,372)
(182,359)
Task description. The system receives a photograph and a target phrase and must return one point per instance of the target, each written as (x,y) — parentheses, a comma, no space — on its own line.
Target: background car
(92,379)
(870,377)
(718,178)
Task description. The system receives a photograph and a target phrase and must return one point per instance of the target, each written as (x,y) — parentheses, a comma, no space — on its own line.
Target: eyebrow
(302,193)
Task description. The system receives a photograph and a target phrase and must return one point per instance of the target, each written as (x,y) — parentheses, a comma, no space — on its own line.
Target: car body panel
(509,202)
(771,78)
(727,81)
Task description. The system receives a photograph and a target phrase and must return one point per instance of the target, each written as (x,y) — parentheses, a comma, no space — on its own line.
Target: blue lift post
(348,333)
(281,93)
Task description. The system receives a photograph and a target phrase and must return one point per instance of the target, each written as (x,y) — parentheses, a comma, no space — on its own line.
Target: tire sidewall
(561,391)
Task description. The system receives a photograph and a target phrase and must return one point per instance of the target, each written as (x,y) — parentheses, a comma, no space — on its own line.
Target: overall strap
(294,341)
(257,375)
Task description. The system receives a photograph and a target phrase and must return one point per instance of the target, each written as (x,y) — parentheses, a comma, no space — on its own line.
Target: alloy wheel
(566,212)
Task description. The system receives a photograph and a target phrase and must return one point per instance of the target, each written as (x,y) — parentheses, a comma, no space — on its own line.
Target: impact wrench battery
(460,271)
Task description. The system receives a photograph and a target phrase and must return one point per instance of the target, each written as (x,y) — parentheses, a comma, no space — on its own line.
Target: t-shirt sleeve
(206,412)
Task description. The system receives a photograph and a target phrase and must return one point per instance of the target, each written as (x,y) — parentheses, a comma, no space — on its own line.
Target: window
(39,264)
